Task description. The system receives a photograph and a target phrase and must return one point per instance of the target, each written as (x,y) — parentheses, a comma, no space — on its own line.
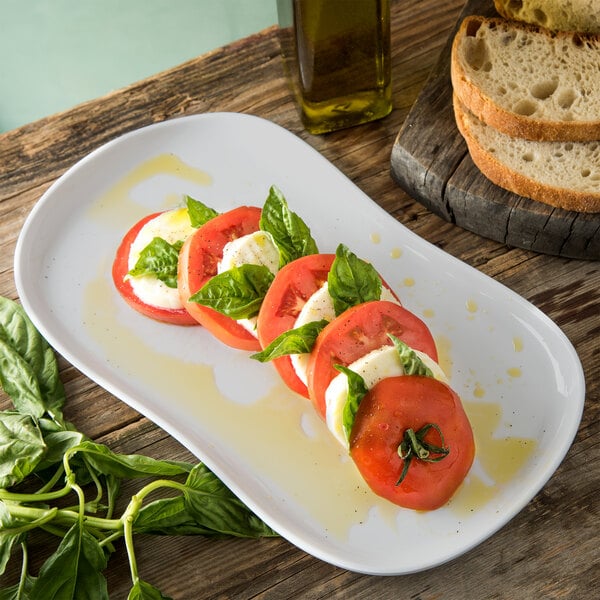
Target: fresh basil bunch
(38,445)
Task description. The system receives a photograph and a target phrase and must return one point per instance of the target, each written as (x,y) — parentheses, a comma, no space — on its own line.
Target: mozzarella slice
(317,308)
(173,226)
(373,367)
(257,248)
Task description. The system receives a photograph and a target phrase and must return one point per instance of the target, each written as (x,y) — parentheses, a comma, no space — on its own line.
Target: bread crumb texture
(558,15)
(572,165)
(533,73)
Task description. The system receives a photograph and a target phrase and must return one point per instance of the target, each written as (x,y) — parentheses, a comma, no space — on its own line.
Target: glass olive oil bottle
(338,55)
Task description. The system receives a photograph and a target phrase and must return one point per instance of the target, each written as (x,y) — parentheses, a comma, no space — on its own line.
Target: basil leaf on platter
(357,390)
(295,341)
(411,363)
(238,292)
(198,212)
(159,259)
(291,234)
(352,281)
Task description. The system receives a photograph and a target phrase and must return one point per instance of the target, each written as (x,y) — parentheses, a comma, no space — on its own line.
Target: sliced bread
(526,81)
(561,174)
(558,15)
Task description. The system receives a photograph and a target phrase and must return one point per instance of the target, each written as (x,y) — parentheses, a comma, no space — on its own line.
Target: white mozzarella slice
(373,367)
(173,226)
(257,248)
(317,308)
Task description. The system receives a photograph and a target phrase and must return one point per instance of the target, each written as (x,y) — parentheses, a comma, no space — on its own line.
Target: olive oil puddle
(116,207)
(278,436)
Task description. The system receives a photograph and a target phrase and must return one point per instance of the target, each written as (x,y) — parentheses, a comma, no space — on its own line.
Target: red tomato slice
(385,413)
(177,316)
(293,285)
(198,260)
(358,331)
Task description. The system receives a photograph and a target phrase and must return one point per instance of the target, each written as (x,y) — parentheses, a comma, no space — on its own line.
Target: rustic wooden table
(549,550)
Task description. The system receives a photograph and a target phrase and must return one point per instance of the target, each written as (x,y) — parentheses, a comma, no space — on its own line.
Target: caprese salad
(145,266)
(333,328)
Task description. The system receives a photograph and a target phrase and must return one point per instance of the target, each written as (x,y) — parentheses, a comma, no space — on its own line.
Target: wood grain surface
(549,550)
(431,162)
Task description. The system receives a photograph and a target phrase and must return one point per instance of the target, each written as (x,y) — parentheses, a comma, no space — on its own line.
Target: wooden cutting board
(430,161)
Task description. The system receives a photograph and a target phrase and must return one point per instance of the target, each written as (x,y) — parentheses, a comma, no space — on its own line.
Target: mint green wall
(55,54)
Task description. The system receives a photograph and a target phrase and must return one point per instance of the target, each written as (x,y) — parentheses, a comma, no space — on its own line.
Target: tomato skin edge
(392,406)
(273,320)
(120,268)
(190,279)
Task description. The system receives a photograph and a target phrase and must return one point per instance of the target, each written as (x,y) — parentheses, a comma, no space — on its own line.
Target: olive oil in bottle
(338,55)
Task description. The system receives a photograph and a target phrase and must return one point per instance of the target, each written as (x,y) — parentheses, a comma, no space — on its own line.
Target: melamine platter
(517,373)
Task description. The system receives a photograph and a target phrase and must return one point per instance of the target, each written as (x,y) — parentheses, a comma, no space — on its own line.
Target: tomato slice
(293,285)
(390,408)
(177,316)
(198,261)
(358,331)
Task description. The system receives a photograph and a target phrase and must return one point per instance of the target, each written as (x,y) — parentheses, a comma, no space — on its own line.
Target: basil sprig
(290,233)
(237,292)
(38,445)
(352,281)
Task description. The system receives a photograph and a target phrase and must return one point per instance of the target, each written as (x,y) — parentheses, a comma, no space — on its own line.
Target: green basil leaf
(19,382)
(18,592)
(74,571)
(238,292)
(290,233)
(28,368)
(57,443)
(215,507)
(199,213)
(168,516)
(159,259)
(22,447)
(356,392)
(107,462)
(352,281)
(295,341)
(8,540)
(411,363)
(142,590)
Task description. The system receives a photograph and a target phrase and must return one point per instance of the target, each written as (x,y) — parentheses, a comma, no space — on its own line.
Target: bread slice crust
(558,15)
(510,178)
(542,102)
